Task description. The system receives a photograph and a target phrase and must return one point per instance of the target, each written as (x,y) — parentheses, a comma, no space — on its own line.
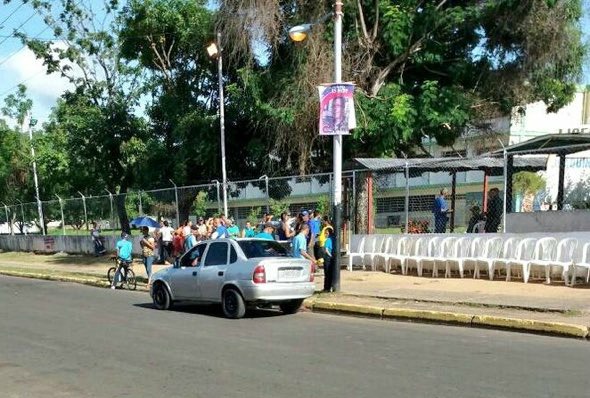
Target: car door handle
(220,273)
(194,273)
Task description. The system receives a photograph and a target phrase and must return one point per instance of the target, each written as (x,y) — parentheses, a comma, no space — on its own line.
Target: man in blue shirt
(124,250)
(441,211)
(220,230)
(266,232)
(300,244)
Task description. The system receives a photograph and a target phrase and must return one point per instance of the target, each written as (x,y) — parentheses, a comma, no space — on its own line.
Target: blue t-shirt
(315,226)
(249,232)
(439,208)
(299,245)
(189,242)
(265,235)
(328,245)
(221,232)
(124,248)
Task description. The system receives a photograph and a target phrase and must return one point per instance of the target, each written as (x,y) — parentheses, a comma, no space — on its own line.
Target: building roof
(493,165)
(548,144)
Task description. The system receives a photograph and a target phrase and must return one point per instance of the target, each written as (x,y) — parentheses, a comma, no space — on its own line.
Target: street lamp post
(265,178)
(299,33)
(63,221)
(33,122)
(218,197)
(216,50)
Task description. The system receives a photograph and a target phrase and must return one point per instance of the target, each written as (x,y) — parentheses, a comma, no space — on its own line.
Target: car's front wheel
(161,297)
(291,306)
(233,304)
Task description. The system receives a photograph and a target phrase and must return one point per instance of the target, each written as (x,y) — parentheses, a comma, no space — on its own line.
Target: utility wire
(21,25)
(11,14)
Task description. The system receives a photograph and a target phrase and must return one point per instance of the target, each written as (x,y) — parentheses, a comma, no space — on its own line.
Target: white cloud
(43,89)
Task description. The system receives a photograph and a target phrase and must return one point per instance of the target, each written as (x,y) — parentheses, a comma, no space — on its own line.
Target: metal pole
(337,149)
(222,120)
(22,212)
(353,207)
(63,223)
(112,216)
(505,189)
(140,207)
(85,213)
(265,177)
(407,201)
(35,179)
(218,197)
(176,202)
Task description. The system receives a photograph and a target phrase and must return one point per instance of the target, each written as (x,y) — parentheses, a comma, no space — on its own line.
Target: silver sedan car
(237,274)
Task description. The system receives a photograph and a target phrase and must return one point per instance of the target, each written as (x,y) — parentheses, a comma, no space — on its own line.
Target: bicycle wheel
(111,274)
(130,281)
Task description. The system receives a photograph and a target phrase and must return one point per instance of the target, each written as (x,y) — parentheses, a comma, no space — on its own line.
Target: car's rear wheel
(291,306)
(161,297)
(233,304)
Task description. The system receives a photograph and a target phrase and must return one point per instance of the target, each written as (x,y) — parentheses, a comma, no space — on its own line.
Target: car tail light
(259,275)
(312,272)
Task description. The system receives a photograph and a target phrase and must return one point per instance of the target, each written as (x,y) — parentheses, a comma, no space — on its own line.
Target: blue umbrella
(144,221)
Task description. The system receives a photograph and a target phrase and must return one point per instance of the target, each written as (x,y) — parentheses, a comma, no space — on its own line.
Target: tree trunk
(122,213)
(362,201)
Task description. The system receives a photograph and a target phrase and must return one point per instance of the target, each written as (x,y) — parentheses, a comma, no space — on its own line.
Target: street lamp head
(213,50)
(299,33)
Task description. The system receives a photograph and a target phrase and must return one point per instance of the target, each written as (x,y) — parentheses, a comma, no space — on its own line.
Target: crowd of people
(310,236)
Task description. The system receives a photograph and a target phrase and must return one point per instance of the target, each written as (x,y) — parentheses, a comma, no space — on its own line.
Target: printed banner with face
(337,115)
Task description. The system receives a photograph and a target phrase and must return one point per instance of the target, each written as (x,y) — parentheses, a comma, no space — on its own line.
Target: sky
(18,64)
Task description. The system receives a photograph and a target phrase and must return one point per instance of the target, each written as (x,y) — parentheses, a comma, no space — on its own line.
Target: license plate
(289,274)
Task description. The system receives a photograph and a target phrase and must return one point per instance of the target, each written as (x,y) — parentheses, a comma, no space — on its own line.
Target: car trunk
(287,270)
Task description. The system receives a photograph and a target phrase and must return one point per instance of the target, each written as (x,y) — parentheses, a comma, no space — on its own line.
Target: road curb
(453,318)
(96,282)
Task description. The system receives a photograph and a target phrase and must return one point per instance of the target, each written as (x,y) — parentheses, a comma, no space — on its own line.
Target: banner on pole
(337,116)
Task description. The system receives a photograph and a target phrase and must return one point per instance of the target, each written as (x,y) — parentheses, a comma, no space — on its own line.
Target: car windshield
(262,248)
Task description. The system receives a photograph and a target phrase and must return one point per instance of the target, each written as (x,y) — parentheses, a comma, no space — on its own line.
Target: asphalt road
(69,340)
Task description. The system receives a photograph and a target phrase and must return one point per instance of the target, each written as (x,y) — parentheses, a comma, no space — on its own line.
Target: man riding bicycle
(124,249)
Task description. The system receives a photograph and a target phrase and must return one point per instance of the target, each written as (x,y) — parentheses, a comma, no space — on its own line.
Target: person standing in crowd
(327,256)
(267,232)
(191,240)
(166,249)
(177,244)
(315,225)
(300,244)
(220,230)
(202,229)
(495,211)
(147,245)
(99,249)
(232,229)
(248,231)
(124,250)
(441,211)
(284,231)
(186,230)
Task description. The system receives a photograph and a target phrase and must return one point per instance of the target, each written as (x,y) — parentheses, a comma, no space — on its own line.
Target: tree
(422,68)
(528,184)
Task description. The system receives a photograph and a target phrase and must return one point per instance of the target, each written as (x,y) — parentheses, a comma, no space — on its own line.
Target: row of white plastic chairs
(493,254)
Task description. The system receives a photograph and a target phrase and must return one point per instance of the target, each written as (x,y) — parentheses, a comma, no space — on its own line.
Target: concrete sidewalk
(512,305)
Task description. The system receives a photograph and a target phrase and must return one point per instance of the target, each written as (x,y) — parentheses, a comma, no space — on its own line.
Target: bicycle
(127,276)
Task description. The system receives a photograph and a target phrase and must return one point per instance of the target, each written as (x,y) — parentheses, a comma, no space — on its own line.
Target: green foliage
(254,216)
(200,204)
(277,207)
(17,105)
(528,183)
(323,205)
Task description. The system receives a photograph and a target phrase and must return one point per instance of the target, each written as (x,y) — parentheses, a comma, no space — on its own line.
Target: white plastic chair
(434,252)
(525,252)
(372,248)
(583,265)
(400,251)
(360,253)
(496,255)
(419,250)
(461,252)
(475,251)
(446,250)
(384,248)
(560,257)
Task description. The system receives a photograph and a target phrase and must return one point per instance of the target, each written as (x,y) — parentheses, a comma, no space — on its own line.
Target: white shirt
(186,231)
(166,234)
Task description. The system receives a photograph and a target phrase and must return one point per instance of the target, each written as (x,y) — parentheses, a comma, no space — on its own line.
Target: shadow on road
(214,310)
